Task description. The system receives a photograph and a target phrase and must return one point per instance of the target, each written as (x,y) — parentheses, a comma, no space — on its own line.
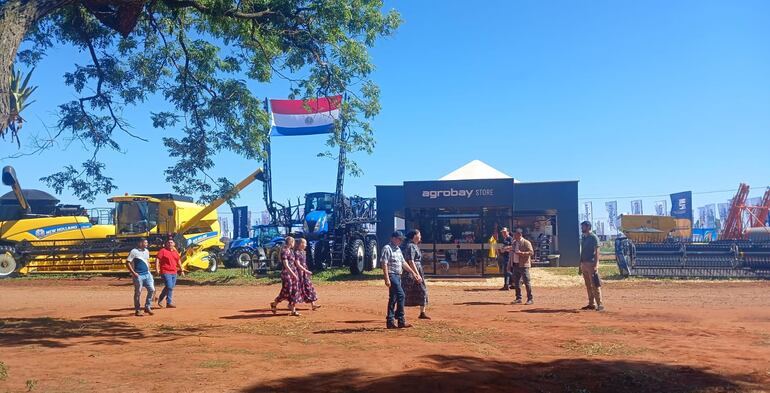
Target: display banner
(724,210)
(711,216)
(681,205)
(240,222)
(636,207)
(701,217)
(612,213)
(661,208)
(704,235)
(588,207)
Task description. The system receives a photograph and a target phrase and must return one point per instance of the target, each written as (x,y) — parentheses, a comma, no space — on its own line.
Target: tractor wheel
(8,262)
(356,256)
(322,255)
(241,258)
(274,262)
(371,254)
(213,263)
(310,256)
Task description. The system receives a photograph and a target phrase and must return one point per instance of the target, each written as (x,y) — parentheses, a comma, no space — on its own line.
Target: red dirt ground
(80,336)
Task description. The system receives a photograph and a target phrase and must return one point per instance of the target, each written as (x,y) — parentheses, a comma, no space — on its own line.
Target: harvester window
(136,217)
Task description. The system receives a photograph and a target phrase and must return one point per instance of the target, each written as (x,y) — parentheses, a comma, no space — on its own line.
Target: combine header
(656,246)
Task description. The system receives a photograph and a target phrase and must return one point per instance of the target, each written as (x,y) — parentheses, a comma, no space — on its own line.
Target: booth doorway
(456,241)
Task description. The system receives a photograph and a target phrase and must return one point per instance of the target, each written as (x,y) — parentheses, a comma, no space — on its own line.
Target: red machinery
(755,216)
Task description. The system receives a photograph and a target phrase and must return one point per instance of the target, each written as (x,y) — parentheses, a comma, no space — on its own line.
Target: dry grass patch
(600,349)
(602,330)
(215,363)
(442,332)
(283,328)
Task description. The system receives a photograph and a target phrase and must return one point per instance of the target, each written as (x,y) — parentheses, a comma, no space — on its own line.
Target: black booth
(460,221)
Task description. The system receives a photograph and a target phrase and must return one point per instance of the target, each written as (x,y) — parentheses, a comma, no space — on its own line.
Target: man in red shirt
(167,264)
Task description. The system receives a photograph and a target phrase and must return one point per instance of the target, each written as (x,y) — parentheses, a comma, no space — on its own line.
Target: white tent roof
(473,170)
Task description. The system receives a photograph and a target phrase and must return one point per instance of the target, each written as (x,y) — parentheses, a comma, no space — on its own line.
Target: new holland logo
(450,193)
(41,233)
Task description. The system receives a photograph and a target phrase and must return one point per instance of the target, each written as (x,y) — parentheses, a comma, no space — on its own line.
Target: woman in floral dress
(306,288)
(289,279)
(416,293)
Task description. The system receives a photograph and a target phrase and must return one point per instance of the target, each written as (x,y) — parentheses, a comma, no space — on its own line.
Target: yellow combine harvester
(31,242)
(650,229)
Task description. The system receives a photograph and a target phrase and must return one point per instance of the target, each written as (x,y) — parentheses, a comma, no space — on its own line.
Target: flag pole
(341,164)
(267,186)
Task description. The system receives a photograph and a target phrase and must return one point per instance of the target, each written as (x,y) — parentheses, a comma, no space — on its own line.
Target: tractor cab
(319,207)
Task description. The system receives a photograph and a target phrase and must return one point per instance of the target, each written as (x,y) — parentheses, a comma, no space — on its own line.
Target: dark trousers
(507,275)
(168,290)
(395,299)
(522,274)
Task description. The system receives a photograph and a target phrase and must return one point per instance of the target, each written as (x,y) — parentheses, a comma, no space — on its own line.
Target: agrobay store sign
(459,193)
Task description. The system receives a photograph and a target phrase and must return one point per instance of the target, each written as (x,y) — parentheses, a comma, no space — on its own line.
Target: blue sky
(631,98)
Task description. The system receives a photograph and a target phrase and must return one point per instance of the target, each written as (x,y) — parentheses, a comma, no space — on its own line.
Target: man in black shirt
(503,262)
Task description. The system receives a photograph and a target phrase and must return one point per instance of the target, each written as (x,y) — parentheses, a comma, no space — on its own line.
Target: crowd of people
(401,265)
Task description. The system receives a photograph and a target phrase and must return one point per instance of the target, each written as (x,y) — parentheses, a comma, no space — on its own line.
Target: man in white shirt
(138,263)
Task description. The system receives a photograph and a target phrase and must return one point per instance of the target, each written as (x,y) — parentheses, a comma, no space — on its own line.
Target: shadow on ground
(482,304)
(60,333)
(470,374)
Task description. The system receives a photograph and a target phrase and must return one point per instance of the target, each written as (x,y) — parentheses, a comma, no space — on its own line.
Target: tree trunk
(16,17)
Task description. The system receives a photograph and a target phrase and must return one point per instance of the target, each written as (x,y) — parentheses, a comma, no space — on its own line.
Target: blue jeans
(507,275)
(395,299)
(144,281)
(168,290)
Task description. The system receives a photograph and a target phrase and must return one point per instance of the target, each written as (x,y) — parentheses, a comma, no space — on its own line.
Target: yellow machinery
(650,229)
(35,243)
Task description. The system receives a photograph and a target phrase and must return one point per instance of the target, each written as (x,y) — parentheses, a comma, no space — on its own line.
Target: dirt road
(81,336)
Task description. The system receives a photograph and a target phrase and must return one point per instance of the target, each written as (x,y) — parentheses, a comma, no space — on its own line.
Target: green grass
(607,271)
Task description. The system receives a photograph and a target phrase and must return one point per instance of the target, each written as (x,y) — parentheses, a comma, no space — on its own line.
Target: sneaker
(138,313)
(404,325)
(600,308)
(148,311)
(529,302)
(390,325)
(517,301)
(505,288)
(589,307)
(170,306)
(423,316)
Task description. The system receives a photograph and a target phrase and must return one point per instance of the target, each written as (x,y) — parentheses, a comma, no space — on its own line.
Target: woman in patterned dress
(289,280)
(416,292)
(306,288)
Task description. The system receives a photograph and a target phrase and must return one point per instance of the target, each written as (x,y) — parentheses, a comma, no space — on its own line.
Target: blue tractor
(261,251)
(340,232)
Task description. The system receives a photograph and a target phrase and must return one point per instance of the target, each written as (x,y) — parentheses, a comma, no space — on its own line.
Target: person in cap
(504,259)
(393,265)
(589,267)
(521,252)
